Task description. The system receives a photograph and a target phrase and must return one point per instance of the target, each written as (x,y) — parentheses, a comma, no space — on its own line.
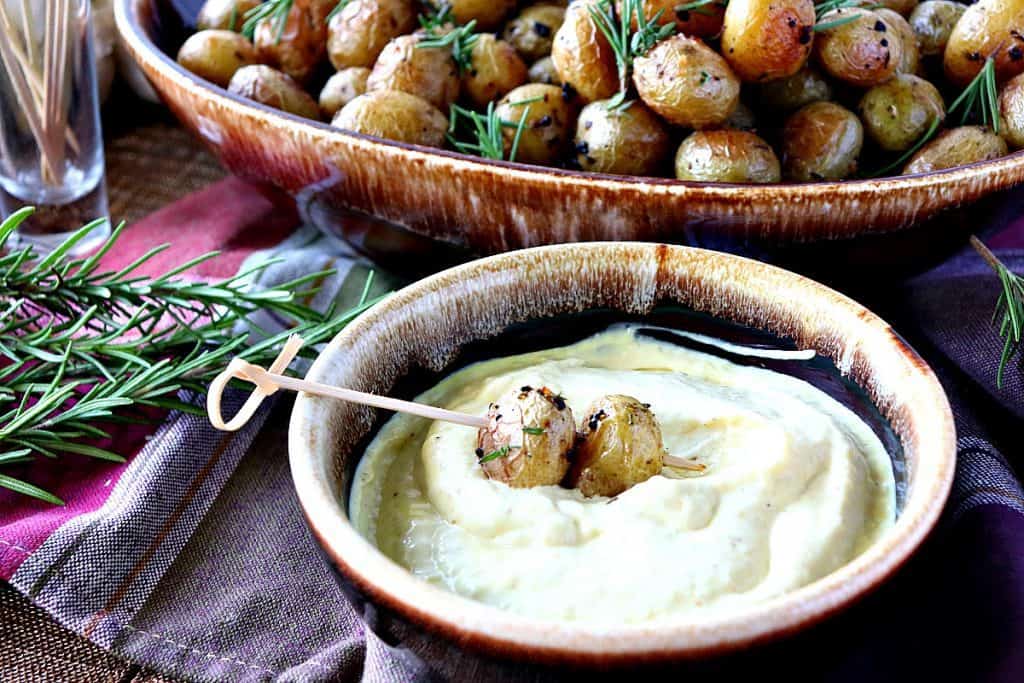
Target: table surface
(150,163)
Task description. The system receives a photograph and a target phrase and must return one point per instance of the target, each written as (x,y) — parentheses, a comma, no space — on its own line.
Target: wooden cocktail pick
(270,380)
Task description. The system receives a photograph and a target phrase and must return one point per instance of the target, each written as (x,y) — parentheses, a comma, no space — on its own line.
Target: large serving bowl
(487,207)
(428,326)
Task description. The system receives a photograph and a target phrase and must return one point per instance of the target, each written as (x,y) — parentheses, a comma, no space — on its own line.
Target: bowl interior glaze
(541,297)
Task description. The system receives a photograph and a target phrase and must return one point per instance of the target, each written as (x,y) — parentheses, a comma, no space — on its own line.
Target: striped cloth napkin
(192,557)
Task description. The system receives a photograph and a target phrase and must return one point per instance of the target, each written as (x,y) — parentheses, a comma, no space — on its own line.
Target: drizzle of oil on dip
(796,486)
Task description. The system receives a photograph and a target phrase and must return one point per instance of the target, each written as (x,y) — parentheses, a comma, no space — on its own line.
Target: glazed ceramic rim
(148,53)
(928,420)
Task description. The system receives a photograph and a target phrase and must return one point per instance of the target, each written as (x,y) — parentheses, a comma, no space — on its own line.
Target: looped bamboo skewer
(268,382)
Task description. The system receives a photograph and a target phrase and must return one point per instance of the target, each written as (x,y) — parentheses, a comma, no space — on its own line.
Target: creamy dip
(796,486)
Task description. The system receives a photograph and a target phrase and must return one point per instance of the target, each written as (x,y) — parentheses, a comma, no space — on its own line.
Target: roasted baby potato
(533,31)
(726,156)
(957,147)
(549,118)
(620,447)
(898,112)
(360,30)
(488,14)
(863,52)
(990,28)
(299,47)
(273,88)
(582,56)
(910,55)
(932,22)
(543,71)
(821,141)
(394,115)
(495,68)
(789,94)
(702,22)
(1011,108)
(342,88)
(901,7)
(630,141)
(216,55)
(764,40)
(687,83)
(528,439)
(224,14)
(427,72)
(742,118)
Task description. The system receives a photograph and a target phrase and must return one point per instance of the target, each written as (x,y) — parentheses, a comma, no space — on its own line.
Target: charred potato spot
(791,93)
(821,141)
(620,447)
(582,56)
(932,22)
(216,55)
(533,31)
(632,141)
(342,88)
(687,83)
(357,34)
(764,40)
(957,147)
(910,55)
(989,28)
(394,115)
(1011,107)
(495,68)
(275,89)
(863,52)
(548,117)
(227,15)
(897,113)
(527,441)
(297,49)
(427,72)
(726,156)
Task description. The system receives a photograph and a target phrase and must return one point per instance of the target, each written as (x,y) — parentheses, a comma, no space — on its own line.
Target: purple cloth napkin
(198,563)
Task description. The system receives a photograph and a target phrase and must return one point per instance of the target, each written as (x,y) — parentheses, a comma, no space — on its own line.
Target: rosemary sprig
(823,8)
(922,141)
(436,17)
(1009,307)
(699,7)
(82,348)
(980,99)
(486,130)
(536,431)
(460,39)
(272,10)
(337,8)
(495,454)
(627,44)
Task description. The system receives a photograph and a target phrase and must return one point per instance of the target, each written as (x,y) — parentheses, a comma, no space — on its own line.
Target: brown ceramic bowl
(435,324)
(341,178)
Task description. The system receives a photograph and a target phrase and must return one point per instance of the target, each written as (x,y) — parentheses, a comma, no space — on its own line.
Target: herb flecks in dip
(796,486)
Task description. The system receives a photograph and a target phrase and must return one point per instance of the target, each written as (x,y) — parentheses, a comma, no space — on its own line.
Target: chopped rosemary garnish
(826,25)
(1009,307)
(536,431)
(823,8)
(626,43)
(271,10)
(487,131)
(495,454)
(928,135)
(436,17)
(461,41)
(980,99)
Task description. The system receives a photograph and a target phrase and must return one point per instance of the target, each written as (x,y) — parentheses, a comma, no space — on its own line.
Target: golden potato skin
(932,22)
(686,82)
(535,430)
(901,7)
(488,14)
(620,447)
(298,49)
(726,156)
(275,89)
(394,115)
(342,88)
(910,55)
(898,112)
(764,40)
(789,94)
(549,121)
(582,56)
(428,72)
(1011,108)
(957,147)
(543,71)
(631,141)
(821,141)
(863,52)
(495,68)
(224,14)
(533,31)
(704,23)
(357,34)
(988,28)
(216,55)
